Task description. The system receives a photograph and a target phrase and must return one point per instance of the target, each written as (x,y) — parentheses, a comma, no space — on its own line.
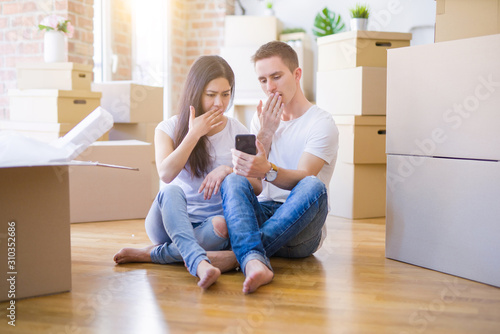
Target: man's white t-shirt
(314,132)
(220,146)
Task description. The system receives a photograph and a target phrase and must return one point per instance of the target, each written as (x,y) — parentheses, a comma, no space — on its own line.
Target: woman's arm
(170,161)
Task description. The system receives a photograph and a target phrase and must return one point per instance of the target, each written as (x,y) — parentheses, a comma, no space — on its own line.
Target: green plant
(360,12)
(57,23)
(269,4)
(327,23)
(292,30)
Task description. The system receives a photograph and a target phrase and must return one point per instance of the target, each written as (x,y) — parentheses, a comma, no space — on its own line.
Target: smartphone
(246,143)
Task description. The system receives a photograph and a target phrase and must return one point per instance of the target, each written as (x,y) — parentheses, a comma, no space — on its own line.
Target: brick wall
(21,41)
(197,29)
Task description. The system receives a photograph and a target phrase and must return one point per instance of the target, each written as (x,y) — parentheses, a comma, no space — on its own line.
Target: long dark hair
(204,70)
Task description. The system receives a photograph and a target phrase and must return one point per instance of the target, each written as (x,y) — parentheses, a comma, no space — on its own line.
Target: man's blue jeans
(261,230)
(168,225)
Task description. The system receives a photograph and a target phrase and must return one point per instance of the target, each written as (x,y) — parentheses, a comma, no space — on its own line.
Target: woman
(193,156)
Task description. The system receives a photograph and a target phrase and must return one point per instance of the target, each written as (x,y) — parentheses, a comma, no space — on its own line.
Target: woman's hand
(203,124)
(212,182)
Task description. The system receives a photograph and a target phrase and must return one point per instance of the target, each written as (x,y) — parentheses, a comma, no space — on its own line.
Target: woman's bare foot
(127,255)
(257,274)
(224,260)
(207,273)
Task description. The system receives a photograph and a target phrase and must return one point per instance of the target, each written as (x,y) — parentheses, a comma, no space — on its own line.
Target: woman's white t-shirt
(220,146)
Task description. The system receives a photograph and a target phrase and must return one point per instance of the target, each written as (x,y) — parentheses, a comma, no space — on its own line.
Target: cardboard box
(457,19)
(138,131)
(246,82)
(247,30)
(52,105)
(358,190)
(45,132)
(361,139)
(143,132)
(131,103)
(352,91)
(443,214)
(64,76)
(113,194)
(358,48)
(441,104)
(36,199)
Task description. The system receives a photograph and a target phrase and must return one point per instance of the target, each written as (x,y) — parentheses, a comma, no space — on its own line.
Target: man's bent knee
(233,181)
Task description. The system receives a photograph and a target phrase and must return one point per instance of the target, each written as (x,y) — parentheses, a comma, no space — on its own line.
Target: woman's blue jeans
(168,225)
(261,230)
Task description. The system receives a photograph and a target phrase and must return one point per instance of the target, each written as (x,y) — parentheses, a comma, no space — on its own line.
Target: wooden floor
(346,287)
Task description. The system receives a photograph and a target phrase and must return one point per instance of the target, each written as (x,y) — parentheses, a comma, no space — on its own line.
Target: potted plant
(359,17)
(56,28)
(327,23)
(269,8)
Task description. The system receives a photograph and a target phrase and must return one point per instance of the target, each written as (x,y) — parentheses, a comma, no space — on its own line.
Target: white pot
(359,24)
(269,12)
(54,47)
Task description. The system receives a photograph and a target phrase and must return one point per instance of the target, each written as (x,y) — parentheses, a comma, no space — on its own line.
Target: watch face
(271,175)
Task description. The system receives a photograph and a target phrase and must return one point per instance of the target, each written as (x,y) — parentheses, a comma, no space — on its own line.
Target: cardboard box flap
(77,94)
(35,126)
(69,163)
(18,150)
(360,120)
(365,34)
(55,66)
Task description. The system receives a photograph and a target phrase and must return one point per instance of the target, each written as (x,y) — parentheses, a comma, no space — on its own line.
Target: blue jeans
(261,230)
(169,226)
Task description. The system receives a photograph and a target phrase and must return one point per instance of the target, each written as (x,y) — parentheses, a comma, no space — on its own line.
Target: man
(297,145)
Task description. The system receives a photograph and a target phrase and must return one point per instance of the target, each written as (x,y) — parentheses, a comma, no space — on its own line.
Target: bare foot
(207,273)
(224,260)
(127,255)
(257,274)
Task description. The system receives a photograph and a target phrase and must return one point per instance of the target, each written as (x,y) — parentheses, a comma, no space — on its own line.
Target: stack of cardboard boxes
(351,84)
(50,100)
(53,97)
(137,110)
(443,140)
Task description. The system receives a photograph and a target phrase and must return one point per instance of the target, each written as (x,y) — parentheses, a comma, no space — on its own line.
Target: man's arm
(257,166)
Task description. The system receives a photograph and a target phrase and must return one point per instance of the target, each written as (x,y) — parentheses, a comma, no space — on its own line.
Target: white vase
(54,47)
(359,24)
(269,12)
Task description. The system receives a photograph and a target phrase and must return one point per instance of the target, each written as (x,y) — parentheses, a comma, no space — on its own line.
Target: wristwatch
(272,174)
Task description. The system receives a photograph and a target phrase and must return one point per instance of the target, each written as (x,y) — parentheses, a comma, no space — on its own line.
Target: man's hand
(249,165)
(269,117)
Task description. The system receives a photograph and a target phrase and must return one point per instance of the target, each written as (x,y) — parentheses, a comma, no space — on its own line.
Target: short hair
(278,49)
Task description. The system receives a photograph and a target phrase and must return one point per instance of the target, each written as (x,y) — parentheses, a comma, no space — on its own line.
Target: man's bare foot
(224,260)
(257,274)
(127,255)
(207,273)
